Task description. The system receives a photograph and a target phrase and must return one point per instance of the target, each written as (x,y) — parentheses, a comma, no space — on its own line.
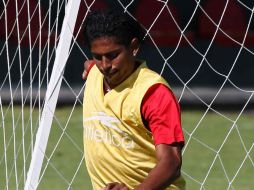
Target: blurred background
(206,44)
(203,48)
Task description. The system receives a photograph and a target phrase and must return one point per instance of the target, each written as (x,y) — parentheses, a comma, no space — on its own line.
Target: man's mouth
(110,74)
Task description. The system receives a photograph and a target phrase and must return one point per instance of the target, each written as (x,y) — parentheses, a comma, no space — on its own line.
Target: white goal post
(52,93)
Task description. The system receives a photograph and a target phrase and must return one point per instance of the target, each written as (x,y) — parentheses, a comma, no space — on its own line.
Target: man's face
(115,61)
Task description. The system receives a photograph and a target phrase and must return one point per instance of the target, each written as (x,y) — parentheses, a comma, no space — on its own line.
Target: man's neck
(106,87)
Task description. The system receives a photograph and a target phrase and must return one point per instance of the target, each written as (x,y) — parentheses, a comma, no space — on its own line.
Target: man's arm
(163,174)
(166,170)
(88,64)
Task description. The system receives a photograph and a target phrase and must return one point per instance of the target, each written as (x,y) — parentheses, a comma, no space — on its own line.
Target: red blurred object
(164,31)
(23,21)
(233,23)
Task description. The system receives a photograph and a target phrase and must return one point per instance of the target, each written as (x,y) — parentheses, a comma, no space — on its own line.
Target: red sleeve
(90,67)
(161,114)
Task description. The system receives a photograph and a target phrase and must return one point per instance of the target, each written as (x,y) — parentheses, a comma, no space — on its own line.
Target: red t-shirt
(161,114)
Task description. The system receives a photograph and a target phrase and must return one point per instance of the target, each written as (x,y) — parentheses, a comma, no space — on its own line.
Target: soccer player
(132,128)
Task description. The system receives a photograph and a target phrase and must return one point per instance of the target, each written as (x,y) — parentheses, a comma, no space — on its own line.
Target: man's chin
(113,83)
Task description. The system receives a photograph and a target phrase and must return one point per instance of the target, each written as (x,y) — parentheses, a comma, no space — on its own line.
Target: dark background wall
(203,61)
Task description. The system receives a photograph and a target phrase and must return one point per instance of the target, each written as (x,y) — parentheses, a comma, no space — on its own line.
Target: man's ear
(134,46)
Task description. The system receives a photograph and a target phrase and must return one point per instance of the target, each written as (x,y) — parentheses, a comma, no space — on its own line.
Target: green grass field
(219,150)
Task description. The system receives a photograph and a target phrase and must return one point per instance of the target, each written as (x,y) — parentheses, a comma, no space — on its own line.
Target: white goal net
(205,49)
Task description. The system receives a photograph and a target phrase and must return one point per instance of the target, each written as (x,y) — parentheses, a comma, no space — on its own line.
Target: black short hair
(112,23)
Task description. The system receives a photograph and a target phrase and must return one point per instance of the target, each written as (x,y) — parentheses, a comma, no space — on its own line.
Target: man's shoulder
(93,73)
(149,76)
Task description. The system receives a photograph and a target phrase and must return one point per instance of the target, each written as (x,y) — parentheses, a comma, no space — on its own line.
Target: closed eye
(110,55)
(97,57)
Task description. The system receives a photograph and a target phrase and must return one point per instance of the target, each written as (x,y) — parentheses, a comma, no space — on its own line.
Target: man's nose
(106,63)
